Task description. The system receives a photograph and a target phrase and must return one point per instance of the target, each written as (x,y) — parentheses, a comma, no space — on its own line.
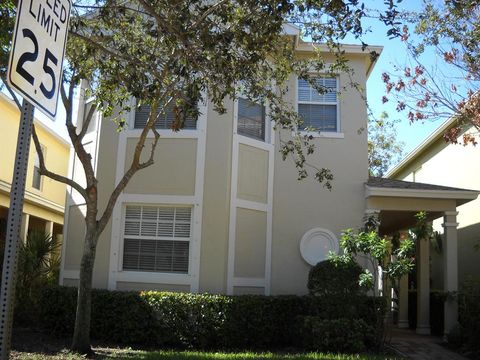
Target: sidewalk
(421,347)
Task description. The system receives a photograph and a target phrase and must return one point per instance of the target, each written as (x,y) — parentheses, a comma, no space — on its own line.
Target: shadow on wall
(468,258)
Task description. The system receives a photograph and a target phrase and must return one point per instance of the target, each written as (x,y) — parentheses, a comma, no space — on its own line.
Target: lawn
(34,345)
(128,354)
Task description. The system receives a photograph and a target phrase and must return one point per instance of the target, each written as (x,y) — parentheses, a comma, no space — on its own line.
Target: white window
(165,120)
(251,119)
(36,177)
(319,111)
(157,238)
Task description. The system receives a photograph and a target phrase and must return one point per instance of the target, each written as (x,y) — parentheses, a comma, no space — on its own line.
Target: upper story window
(157,238)
(251,119)
(165,120)
(319,111)
(36,177)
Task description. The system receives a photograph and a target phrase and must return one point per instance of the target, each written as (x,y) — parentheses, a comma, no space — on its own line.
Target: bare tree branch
(44,171)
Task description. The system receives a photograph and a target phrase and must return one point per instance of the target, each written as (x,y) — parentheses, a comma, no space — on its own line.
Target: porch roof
(397,201)
(376,186)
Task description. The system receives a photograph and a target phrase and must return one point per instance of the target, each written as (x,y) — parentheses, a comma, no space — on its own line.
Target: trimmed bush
(338,335)
(467,335)
(338,279)
(123,317)
(201,321)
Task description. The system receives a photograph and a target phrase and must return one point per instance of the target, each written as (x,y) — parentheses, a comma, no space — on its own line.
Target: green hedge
(204,321)
(467,335)
(337,335)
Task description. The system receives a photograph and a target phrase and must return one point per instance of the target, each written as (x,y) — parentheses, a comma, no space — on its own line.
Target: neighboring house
(221,212)
(436,162)
(43,208)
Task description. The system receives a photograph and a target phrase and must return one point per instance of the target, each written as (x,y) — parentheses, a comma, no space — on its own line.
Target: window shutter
(156,238)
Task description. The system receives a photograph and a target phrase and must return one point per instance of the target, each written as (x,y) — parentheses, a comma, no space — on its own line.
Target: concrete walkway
(421,347)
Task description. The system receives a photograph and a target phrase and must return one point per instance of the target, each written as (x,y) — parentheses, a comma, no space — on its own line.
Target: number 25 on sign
(38,49)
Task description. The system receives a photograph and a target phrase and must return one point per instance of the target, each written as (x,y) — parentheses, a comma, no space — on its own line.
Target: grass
(128,354)
(34,345)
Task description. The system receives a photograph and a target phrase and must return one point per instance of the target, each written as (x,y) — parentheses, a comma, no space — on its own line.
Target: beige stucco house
(221,212)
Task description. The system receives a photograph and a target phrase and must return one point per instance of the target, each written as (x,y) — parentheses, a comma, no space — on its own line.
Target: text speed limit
(38,48)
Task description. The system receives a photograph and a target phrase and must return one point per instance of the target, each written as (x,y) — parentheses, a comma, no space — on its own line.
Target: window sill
(154,277)
(324,134)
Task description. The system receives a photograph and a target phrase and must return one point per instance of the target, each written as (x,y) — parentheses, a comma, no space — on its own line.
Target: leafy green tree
(178,53)
(449,31)
(384,150)
(387,259)
(394,259)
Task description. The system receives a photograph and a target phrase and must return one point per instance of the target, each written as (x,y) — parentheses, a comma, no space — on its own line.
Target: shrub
(337,279)
(200,321)
(38,266)
(123,317)
(468,332)
(338,335)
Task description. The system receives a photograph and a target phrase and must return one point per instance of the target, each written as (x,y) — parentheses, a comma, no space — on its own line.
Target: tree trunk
(81,334)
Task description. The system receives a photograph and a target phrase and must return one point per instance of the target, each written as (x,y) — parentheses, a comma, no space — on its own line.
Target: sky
(393,53)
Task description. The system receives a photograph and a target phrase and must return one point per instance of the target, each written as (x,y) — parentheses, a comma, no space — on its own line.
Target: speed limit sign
(38,49)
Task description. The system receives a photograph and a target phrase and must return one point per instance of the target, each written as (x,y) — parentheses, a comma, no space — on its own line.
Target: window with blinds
(157,238)
(318,111)
(164,121)
(251,119)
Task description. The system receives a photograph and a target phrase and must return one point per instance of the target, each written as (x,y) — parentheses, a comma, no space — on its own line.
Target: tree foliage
(384,150)
(449,31)
(395,259)
(179,53)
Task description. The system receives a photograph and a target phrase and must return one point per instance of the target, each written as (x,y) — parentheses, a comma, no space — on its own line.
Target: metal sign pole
(17,192)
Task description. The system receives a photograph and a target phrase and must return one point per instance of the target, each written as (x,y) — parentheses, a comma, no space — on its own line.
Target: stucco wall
(252,174)
(173,172)
(299,206)
(250,244)
(216,200)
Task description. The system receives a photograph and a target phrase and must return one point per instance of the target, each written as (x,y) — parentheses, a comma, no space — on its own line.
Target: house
(221,212)
(436,162)
(43,209)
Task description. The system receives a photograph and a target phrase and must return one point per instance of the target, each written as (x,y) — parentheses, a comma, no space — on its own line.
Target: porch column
(423,287)
(403,303)
(24,227)
(450,269)
(49,228)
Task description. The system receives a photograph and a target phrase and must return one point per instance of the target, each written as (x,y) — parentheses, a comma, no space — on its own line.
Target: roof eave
(461,196)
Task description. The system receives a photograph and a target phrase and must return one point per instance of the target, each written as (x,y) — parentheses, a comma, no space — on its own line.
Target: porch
(395,203)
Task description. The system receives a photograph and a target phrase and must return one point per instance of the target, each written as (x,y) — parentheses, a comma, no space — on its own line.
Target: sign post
(35,71)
